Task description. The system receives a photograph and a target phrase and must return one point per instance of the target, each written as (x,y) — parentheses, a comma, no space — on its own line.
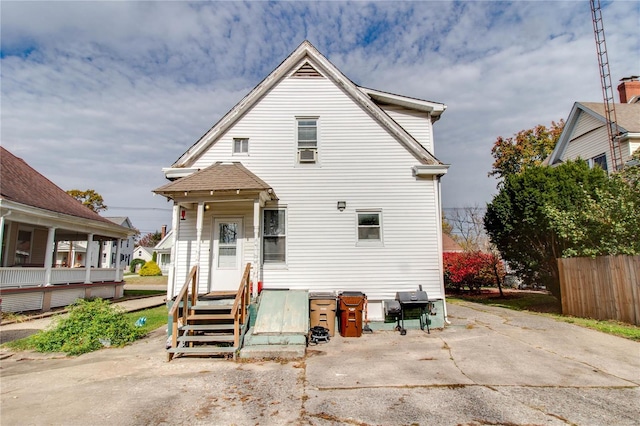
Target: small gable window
(307,136)
(240,145)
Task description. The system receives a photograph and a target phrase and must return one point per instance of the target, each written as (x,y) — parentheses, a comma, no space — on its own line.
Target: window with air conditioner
(307,140)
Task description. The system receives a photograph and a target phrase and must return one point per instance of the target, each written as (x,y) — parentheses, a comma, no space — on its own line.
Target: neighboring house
(144,253)
(163,250)
(106,250)
(35,217)
(449,245)
(109,249)
(319,184)
(585,133)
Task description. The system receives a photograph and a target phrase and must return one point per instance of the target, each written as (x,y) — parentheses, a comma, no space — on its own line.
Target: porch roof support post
(199,223)
(118,271)
(48,255)
(2,237)
(87,260)
(171,285)
(256,245)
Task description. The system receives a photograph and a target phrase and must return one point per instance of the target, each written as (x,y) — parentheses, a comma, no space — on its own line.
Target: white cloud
(132,85)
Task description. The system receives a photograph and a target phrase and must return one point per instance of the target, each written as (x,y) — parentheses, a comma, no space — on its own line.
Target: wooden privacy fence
(606,287)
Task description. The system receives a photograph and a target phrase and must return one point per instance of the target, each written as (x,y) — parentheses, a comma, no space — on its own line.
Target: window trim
(369,242)
(283,235)
(239,153)
(593,163)
(299,148)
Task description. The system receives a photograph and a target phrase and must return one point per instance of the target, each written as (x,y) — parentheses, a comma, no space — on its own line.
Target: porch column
(87,260)
(2,236)
(256,245)
(199,224)
(171,285)
(118,271)
(48,255)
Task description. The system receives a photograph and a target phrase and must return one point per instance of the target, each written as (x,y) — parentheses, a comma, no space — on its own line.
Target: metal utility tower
(607,87)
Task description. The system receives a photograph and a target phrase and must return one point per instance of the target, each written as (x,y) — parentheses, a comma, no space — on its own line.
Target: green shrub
(90,325)
(134,263)
(154,256)
(150,269)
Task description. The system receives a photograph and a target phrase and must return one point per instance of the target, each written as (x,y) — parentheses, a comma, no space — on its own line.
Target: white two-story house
(319,184)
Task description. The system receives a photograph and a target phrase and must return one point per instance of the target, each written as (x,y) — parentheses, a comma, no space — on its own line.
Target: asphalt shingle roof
(627,115)
(217,177)
(22,184)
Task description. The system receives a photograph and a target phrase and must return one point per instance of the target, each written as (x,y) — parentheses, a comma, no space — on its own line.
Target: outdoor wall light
(207,206)
(342,205)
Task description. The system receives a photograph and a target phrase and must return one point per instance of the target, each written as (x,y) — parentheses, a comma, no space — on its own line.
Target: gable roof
(364,97)
(627,118)
(22,184)
(449,244)
(217,177)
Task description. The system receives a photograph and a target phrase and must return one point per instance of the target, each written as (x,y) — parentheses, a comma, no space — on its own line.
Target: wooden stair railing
(199,321)
(183,297)
(239,310)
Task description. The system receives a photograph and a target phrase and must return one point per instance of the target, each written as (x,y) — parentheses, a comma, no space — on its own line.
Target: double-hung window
(307,137)
(274,236)
(369,226)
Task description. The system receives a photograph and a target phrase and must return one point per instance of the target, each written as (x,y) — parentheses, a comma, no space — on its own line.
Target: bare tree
(467,225)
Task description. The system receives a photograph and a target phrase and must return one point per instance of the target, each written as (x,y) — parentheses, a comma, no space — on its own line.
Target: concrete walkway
(19,330)
(490,366)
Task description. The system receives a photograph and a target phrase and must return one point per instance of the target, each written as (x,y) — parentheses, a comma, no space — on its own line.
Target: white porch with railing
(26,289)
(16,277)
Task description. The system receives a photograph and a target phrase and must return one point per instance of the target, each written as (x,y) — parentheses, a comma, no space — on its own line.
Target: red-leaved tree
(473,269)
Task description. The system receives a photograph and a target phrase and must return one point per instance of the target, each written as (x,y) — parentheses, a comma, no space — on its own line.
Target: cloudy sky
(102,95)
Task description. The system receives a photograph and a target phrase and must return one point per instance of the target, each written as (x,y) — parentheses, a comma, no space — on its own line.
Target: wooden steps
(209,330)
(212,324)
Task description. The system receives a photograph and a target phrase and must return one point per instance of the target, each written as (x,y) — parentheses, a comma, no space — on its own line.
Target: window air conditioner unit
(307,155)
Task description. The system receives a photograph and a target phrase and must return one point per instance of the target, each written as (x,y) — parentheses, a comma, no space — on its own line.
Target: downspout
(441,262)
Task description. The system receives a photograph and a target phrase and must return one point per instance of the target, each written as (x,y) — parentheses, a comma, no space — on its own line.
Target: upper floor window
(307,140)
(240,145)
(599,160)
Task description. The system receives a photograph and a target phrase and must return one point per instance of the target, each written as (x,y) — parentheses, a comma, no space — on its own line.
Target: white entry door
(226,258)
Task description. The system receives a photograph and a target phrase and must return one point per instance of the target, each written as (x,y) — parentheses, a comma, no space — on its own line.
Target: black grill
(413,300)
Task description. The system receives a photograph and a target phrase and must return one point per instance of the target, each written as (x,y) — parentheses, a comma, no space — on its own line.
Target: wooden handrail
(239,310)
(183,297)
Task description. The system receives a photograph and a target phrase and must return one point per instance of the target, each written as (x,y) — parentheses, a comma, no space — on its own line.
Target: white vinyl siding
(588,140)
(417,123)
(363,165)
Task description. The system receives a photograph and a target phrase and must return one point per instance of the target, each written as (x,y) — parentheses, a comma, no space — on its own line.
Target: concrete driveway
(490,366)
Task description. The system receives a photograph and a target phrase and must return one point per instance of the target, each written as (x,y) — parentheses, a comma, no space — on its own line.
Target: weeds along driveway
(490,366)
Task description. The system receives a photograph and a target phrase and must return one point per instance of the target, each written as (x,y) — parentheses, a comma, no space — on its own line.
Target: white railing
(21,277)
(36,277)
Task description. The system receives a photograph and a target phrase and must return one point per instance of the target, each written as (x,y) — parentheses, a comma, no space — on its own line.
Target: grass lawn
(545,304)
(136,279)
(135,293)
(156,317)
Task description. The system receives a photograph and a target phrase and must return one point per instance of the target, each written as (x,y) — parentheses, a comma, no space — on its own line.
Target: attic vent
(307,71)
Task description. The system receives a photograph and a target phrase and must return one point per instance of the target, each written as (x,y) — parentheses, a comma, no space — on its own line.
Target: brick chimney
(164,231)
(629,89)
